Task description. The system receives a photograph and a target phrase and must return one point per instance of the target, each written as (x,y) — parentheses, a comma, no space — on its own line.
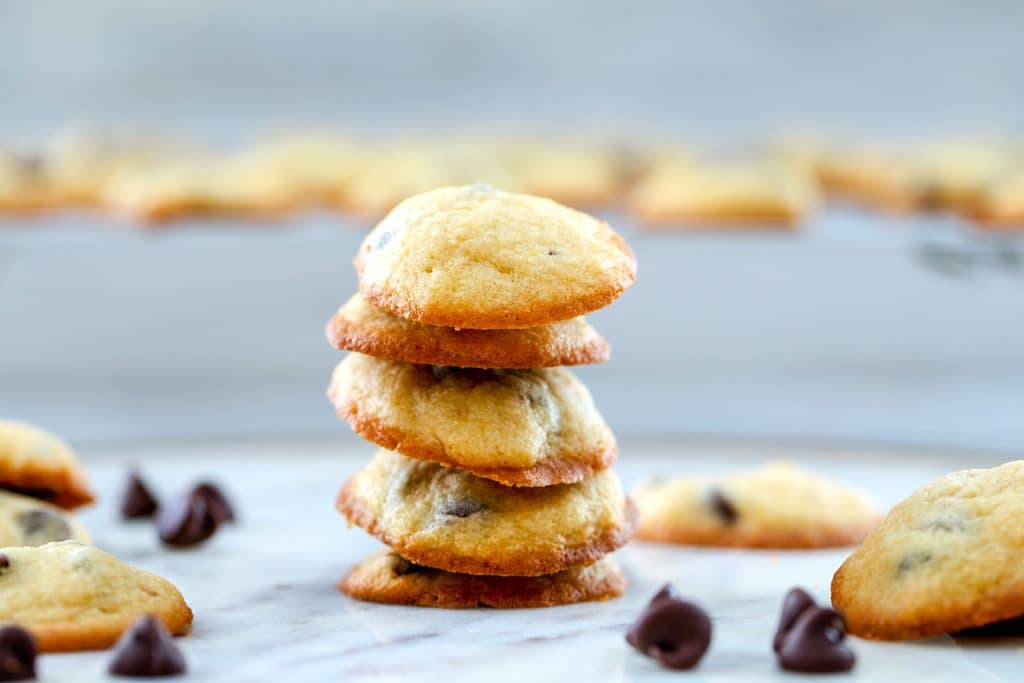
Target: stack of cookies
(493,485)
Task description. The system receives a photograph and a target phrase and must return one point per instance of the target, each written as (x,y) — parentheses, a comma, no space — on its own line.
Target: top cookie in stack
(468,299)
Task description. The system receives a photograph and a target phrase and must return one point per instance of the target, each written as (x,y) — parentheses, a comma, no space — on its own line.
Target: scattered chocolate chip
(401,566)
(722,507)
(147,650)
(674,632)
(815,644)
(43,526)
(136,499)
(912,561)
(17,654)
(218,503)
(797,601)
(186,520)
(463,507)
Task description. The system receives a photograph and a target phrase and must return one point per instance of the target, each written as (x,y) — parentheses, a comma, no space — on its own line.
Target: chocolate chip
(815,644)
(674,632)
(797,601)
(186,520)
(5,562)
(147,650)
(912,561)
(401,566)
(722,507)
(552,252)
(136,499)
(43,526)
(218,503)
(17,654)
(667,592)
(463,507)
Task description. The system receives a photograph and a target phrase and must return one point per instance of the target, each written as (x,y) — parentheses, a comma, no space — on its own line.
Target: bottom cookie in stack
(484,543)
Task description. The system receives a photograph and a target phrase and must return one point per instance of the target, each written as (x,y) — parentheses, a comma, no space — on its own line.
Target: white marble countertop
(266,608)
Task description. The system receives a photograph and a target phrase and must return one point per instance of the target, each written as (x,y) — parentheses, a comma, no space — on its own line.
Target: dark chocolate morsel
(796,602)
(137,501)
(147,650)
(723,507)
(43,526)
(815,644)
(17,654)
(5,561)
(674,632)
(186,521)
(218,503)
(463,507)
(401,566)
(666,592)
(552,252)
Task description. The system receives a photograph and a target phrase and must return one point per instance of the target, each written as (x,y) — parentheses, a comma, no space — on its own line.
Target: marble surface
(266,606)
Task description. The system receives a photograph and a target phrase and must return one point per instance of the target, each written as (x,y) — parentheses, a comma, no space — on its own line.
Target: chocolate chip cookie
(389,578)
(359,326)
(518,427)
(776,505)
(76,597)
(451,520)
(29,521)
(945,559)
(474,257)
(37,464)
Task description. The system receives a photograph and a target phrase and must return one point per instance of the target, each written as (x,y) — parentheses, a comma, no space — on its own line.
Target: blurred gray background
(864,328)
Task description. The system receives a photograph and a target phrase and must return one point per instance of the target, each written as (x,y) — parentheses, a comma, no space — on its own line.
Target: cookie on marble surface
(475,257)
(449,519)
(30,521)
(775,505)
(945,559)
(389,578)
(77,597)
(723,194)
(38,464)
(518,427)
(364,328)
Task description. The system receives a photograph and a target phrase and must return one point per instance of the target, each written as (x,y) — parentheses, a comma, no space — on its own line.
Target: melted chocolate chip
(912,561)
(186,520)
(401,566)
(797,601)
(464,507)
(722,507)
(815,644)
(147,650)
(218,503)
(43,526)
(136,499)
(17,654)
(674,632)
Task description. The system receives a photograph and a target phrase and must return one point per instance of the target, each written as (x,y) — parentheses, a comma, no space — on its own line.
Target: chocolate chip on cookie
(41,526)
(17,654)
(463,507)
(722,507)
(815,643)
(147,650)
(186,520)
(675,632)
(137,501)
(5,562)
